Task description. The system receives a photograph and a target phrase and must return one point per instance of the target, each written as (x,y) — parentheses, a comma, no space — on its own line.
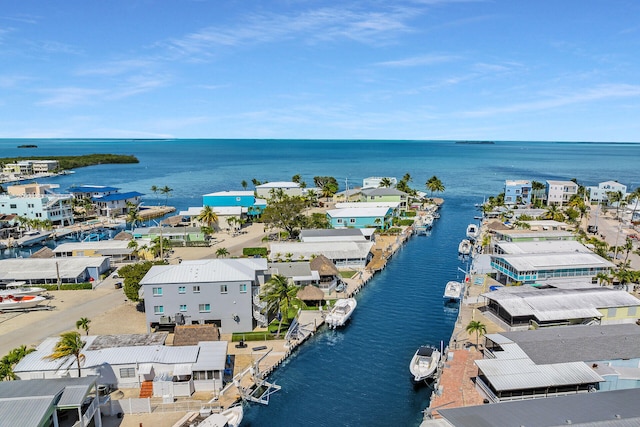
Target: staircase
(146,389)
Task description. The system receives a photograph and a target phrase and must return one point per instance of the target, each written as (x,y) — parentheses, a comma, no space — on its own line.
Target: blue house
(360,217)
(517,192)
(246,199)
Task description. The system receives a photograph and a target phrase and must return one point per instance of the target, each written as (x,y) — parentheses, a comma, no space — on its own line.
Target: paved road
(58,321)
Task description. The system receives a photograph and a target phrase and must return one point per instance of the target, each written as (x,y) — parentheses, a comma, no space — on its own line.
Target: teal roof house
(360,217)
(246,199)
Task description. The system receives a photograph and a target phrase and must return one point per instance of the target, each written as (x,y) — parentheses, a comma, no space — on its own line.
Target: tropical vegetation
(69,344)
(280,295)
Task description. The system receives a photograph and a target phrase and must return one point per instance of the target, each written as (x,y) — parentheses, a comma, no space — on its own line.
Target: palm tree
(615,197)
(133,217)
(12,358)
(84,324)
(280,295)
(296,178)
(478,328)
(133,244)
(208,216)
(222,252)
(386,182)
(70,344)
(244,184)
(434,185)
(154,190)
(167,192)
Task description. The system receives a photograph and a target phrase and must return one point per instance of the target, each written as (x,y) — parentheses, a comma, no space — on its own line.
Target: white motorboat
(19,302)
(473,231)
(464,248)
(452,291)
(30,238)
(341,312)
(424,363)
(231,417)
(20,288)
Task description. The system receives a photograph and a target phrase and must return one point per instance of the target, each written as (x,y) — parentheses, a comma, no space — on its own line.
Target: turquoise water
(357,376)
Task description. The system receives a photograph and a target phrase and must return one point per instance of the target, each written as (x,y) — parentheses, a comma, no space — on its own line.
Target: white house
(374,181)
(559,192)
(599,193)
(37,201)
(288,188)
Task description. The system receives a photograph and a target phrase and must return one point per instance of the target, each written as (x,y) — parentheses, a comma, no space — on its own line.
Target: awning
(145,368)
(182,369)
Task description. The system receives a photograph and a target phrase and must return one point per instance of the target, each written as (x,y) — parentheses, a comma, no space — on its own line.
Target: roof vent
(617,416)
(569,422)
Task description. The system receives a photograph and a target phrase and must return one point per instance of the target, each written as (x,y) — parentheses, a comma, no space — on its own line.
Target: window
(182,289)
(205,375)
(196,289)
(204,308)
(158,309)
(157,292)
(243,288)
(127,372)
(352,220)
(339,220)
(183,307)
(223,289)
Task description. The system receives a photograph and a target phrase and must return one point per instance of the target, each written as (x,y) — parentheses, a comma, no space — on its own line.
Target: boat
(19,302)
(424,363)
(30,238)
(231,417)
(452,291)
(341,312)
(464,248)
(20,288)
(473,231)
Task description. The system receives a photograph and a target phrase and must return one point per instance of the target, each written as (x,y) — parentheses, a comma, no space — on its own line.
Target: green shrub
(68,286)
(348,273)
(252,336)
(405,222)
(255,251)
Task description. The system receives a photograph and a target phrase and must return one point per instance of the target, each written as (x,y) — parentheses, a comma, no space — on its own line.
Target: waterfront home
(558,193)
(533,267)
(337,235)
(523,307)
(375,181)
(612,351)
(517,192)
(327,271)
(37,201)
(600,193)
(299,273)
(612,408)
(353,255)
(130,361)
(31,167)
(360,217)
(181,236)
(395,206)
(539,247)
(51,270)
(108,201)
(385,194)
(116,250)
(271,189)
(46,402)
(348,195)
(217,291)
(81,192)
(251,205)
(515,236)
(224,213)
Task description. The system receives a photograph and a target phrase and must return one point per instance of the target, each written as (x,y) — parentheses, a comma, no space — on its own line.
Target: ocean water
(359,375)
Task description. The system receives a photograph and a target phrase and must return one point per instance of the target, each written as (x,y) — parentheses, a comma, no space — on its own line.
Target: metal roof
(617,408)
(550,261)
(231,193)
(332,250)
(117,196)
(360,205)
(543,247)
(382,191)
(25,411)
(279,184)
(91,189)
(99,245)
(291,269)
(219,210)
(45,268)
(212,356)
(357,212)
(73,396)
(205,271)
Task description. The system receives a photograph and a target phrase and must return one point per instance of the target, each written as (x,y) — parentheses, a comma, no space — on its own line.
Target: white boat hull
(341,312)
(19,302)
(424,363)
(231,417)
(453,291)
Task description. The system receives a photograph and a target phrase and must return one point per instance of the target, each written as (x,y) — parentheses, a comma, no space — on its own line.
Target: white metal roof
(231,193)
(279,184)
(543,247)
(550,261)
(357,212)
(207,270)
(212,356)
(45,268)
(100,245)
(332,250)
(361,205)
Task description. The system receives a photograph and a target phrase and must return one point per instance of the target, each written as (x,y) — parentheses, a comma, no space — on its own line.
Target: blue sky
(565,70)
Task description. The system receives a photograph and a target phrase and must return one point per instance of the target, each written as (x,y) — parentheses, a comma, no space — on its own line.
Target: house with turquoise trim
(37,201)
(360,217)
(246,199)
(517,192)
(270,189)
(384,194)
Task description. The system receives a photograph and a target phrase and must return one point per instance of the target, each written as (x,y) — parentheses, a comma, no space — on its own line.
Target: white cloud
(69,96)
(419,60)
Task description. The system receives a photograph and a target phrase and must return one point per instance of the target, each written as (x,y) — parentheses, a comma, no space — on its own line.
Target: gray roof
(578,343)
(25,411)
(559,304)
(291,269)
(543,247)
(127,340)
(603,409)
(332,250)
(382,191)
(554,261)
(213,356)
(331,232)
(205,271)
(45,268)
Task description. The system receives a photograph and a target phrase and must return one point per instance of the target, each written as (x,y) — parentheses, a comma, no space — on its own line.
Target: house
(300,273)
(51,270)
(395,206)
(540,247)
(46,402)
(511,235)
(611,351)
(385,194)
(375,181)
(343,254)
(31,167)
(218,291)
(327,271)
(612,408)
(271,189)
(599,193)
(226,216)
(348,195)
(537,307)
(558,193)
(337,235)
(109,201)
(517,192)
(360,217)
(178,235)
(128,361)
(251,205)
(550,264)
(116,250)
(37,201)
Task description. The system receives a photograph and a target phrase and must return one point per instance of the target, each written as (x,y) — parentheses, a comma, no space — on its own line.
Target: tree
(285,214)
(133,217)
(207,216)
(615,197)
(386,182)
(70,344)
(84,324)
(244,184)
(167,192)
(222,252)
(10,360)
(296,178)
(328,185)
(478,328)
(133,274)
(434,185)
(154,190)
(280,296)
